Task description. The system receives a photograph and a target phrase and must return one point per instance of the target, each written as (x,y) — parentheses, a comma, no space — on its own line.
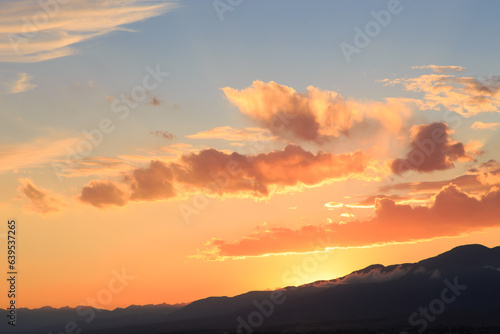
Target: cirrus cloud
(441,69)
(484,126)
(34,31)
(22,83)
(231,134)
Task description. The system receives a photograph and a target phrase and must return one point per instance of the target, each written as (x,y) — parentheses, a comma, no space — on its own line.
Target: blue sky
(295,43)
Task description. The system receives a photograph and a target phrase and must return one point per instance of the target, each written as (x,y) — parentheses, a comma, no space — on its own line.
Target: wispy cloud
(467,96)
(41,201)
(477,179)
(441,69)
(33,31)
(21,83)
(484,126)
(231,134)
(36,152)
(163,134)
(369,202)
(95,166)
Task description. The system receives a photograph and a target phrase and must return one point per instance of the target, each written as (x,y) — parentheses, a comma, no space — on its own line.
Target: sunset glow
(203,157)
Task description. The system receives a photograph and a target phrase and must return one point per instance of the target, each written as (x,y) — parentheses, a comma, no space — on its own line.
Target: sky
(189,149)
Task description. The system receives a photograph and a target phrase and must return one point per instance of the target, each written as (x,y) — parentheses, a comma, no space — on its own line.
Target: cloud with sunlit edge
(219,174)
(467,96)
(452,212)
(315,115)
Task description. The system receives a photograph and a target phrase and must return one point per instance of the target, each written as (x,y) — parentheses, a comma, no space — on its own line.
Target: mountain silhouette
(460,287)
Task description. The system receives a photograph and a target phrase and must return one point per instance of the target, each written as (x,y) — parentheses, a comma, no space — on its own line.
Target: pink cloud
(431,149)
(451,213)
(220,173)
(316,115)
(102,194)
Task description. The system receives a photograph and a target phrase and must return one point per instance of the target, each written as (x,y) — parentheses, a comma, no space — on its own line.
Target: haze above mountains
(460,287)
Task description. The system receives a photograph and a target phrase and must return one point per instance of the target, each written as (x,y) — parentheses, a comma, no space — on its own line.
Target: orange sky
(142,172)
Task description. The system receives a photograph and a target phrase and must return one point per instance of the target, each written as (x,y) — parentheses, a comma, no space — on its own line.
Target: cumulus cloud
(102,194)
(485,126)
(152,183)
(231,134)
(452,212)
(441,69)
(33,31)
(288,167)
(467,96)
(431,149)
(490,178)
(40,200)
(220,173)
(316,115)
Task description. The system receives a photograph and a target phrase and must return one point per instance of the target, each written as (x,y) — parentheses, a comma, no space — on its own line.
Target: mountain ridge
(375,296)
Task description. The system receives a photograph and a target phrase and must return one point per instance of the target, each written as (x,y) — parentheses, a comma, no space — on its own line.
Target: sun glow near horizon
(166,151)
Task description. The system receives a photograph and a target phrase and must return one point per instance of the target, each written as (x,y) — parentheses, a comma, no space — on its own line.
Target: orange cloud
(467,181)
(484,126)
(152,183)
(489,178)
(477,179)
(316,115)
(431,149)
(231,134)
(219,173)
(59,26)
(41,151)
(102,194)
(467,96)
(370,200)
(179,148)
(451,213)
(41,200)
(441,69)
(22,83)
(102,166)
